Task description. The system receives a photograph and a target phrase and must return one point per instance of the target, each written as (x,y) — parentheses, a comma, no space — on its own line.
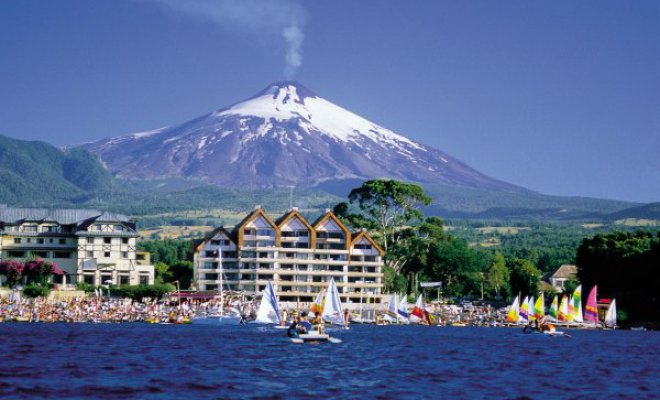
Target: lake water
(392,362)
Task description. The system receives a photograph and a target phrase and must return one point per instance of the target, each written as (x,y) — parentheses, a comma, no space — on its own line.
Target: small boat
(269,311)
(610,316)
(314,338)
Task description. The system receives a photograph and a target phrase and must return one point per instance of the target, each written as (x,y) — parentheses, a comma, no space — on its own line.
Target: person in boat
(304,326)
(546,326)
(293,328)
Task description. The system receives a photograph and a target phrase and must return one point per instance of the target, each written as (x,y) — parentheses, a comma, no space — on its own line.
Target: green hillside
(37,173)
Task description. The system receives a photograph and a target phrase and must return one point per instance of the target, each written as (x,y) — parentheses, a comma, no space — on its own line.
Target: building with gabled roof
(299,257)
(88,245)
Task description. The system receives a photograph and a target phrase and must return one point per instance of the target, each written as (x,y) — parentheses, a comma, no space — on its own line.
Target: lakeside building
(299,257)
(88,245)
(563,274)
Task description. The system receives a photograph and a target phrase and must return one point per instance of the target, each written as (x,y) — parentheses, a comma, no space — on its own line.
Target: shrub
(12,270)
(86,287)
(138,292)
(36,290)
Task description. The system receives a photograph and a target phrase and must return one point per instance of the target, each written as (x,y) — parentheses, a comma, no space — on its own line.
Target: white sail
(610,316)
(333,312)
(392,315)
(269,311)
(402,309)
(530,308)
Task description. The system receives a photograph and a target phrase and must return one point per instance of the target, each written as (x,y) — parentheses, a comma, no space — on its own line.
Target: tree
(12,270)
(525,277)
(182,271)
(451,261)
(497,276)
(40,271)
(385,206)
(162,272)
(624,266)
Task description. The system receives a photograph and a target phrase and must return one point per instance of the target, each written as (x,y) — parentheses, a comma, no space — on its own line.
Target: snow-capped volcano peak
(285,135)
(290,101)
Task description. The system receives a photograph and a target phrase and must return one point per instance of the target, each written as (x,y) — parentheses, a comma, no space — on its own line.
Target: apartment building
(88,245)
(298,256)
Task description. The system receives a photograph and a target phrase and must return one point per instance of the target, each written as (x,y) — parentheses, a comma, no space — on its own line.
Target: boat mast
(222,296)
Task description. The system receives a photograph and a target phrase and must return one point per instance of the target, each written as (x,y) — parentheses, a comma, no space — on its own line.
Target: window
(89,254)
(106,254)
(119,228)
(144,279)
(17,240)
(124,254)
(96,227)
(61,254)
(89,279)
(40,240)
(15,254)
(124,279)
(140,256)
(40,254)
(29,240)
(62,241)
(107,240)
(124,240)
(30,228)
(215,243)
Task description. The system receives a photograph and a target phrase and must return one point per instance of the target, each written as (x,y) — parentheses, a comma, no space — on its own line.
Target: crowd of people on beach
(105,309)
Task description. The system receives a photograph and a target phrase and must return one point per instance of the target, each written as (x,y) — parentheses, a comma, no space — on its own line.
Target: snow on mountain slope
(285,135)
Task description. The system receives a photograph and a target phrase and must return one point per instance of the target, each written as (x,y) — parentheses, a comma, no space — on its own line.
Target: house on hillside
(563,274)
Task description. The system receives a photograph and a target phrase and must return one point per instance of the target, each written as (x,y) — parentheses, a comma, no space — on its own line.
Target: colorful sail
(333,312)
(523,315)
(512,316)
(402,309)
(610,316)
(553,313)
(418,309)
(317,306)
(269,311)
(530,309)
(591,309)
(539,308)
(564,310)
(577,304)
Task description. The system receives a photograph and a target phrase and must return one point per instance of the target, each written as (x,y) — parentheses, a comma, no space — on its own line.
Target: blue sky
(562,97)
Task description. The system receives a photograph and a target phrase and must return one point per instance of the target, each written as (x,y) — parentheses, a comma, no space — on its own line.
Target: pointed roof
(290,215)
(565,271)
(363,234)
(330,215)
(198,243)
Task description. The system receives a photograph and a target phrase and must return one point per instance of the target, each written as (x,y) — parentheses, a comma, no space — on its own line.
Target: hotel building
(298,256)
(88,245)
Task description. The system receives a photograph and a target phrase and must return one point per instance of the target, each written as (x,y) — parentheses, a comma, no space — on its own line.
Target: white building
(298,256)
(88,245)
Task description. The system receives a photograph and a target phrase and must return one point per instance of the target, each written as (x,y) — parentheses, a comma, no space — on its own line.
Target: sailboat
(220,316)
(392,315)
(531,315)
(591,309)
(539,308)
(333,311)
(564,314)
(553,313)
(610,316)
(512,315)
(402,310)
(523,314)
(269,311)
(577,305)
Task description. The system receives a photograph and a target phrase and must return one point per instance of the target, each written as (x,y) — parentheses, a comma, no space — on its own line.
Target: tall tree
(497,275)
(525,277)
(386,205)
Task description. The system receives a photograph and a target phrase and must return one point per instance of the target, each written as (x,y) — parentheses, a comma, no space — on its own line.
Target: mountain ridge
(285,135)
